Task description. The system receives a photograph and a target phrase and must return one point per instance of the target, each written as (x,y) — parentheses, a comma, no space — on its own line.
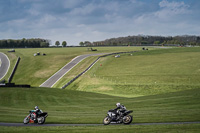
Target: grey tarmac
(59,74)
(164,123)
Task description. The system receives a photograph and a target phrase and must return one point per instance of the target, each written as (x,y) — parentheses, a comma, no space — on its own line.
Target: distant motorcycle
(124,117)
(31,118)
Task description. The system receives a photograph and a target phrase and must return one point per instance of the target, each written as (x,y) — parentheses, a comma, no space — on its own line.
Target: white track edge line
(58,71)
(67,71)
(8,65)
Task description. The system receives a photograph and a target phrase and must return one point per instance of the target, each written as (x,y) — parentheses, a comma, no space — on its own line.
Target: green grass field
(143,73)
(66,106)
(159,85)
(35,70)
(189,128)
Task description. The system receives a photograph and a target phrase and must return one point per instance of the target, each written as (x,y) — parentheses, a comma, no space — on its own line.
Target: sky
(74,21)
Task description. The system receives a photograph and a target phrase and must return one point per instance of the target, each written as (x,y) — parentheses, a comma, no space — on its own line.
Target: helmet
(36,108)
(118,104)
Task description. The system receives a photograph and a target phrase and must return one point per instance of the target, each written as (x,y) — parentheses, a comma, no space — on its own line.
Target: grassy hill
(143,73)
(158,85)
(34,70)
(67,106)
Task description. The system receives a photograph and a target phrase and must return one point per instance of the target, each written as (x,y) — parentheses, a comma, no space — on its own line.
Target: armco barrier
(14,85)
(14,69)
(9,84)
(91,66)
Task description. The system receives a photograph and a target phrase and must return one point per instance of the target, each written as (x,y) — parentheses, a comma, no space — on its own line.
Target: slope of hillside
(34,70)
(162,86)
(67,106)
(143,73)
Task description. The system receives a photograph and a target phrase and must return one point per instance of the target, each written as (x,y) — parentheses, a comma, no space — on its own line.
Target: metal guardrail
(14,69)
(91,66)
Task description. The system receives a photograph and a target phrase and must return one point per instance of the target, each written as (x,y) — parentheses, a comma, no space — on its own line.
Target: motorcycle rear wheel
(106,120)
(41,120)
(127,119)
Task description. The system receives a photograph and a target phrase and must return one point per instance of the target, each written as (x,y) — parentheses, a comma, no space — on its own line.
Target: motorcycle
(31,118)
(123,117)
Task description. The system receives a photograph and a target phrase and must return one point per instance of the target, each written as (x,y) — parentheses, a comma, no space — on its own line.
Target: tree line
(64,43)
(24,43)
(146,40)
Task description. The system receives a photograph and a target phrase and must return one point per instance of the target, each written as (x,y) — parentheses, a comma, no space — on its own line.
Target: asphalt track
(4,65)
(58,75)
(164,123)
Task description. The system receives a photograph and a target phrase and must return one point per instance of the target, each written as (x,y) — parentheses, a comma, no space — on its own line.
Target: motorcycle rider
(37,111)
(120,108)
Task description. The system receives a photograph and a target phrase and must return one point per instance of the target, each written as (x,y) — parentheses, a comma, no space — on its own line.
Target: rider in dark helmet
(37,111)
(120,108)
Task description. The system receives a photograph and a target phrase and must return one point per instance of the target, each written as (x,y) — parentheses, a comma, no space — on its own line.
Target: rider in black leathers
(37,111)
(120,108)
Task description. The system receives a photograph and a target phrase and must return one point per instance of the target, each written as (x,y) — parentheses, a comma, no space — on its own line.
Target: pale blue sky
(94,20)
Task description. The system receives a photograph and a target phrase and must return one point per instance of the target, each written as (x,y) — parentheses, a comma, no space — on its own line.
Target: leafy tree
(21,43)
(57,43)
(64,43)
(156,42)
(87,43)
(144,42)
(81,44)
(44,44)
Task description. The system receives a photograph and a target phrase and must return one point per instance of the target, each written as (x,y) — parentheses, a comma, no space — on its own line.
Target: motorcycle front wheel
(106,120)
(127,119)
(26,120)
